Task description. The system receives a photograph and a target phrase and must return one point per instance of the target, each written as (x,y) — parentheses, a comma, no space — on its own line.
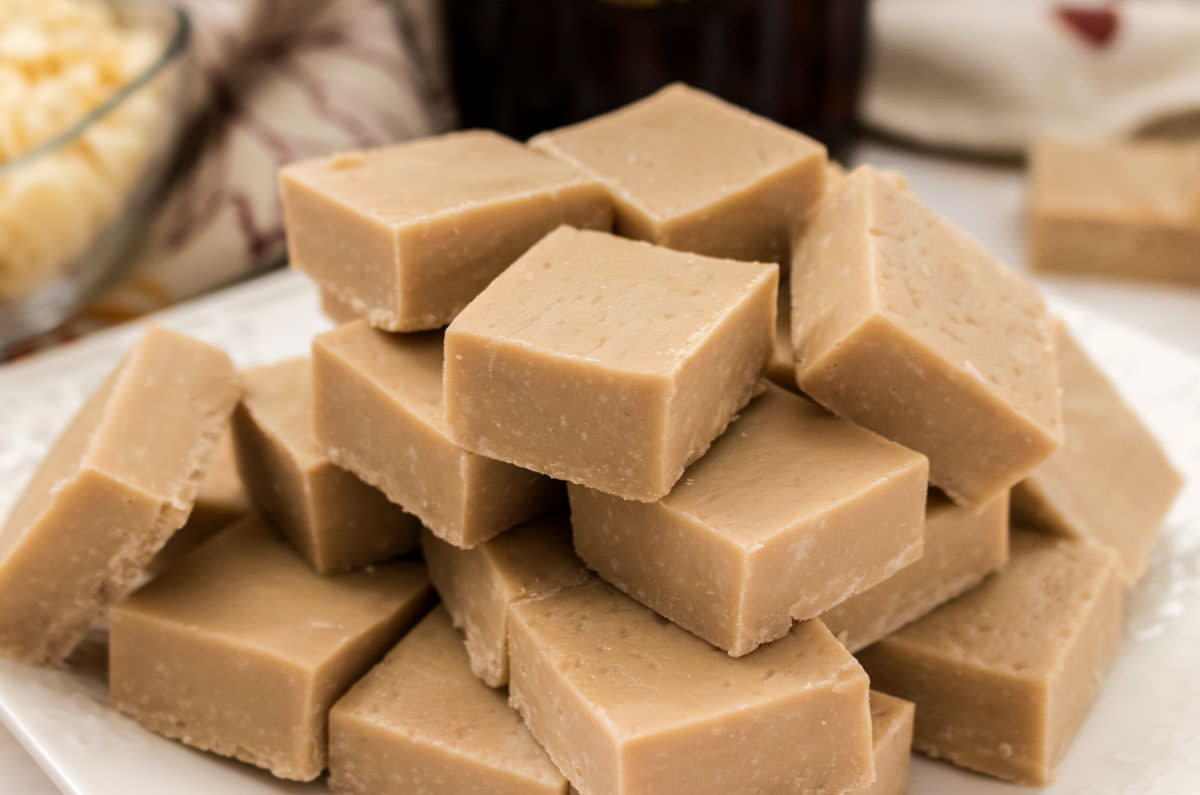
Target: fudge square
(963,544)
(688,171)
(1004,676)
(379,414)
(891,740)
(478,586)
(790,512)
(1110,482)
(626,703)
(608,362)
(1116,208)
(905,326)
(420,722)
(118,482)
(334,520)
(241,649)
(408,234)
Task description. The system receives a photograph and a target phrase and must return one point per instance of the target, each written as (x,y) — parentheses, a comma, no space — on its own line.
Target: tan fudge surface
(220,501)
(1116,209)
(626,703)
(241,649)
(379,414)
(337,309)
(1110,482)
(891,738)
(1004,676)
(113,488)
(478,586)
(689,171)
(408,234)
(421,723)
(790,512)
(963,544)
(907,327)
(608,362)
(334,520)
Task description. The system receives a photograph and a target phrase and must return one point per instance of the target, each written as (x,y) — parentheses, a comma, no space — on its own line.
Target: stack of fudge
(708,448)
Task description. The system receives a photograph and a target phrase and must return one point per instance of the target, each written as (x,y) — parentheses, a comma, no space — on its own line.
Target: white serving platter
(1142,737)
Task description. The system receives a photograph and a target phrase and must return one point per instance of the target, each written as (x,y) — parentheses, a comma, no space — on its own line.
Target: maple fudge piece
(891,738)
(337,309)
(1004,675)
(626,703)
(907,327)
(790,512)
(420,722)
(117,483)
(780,367)
(220,501)
(334,520)
(757,179)
(1116,208)
(963,544)
(379,414)
(1110,482)
(608,362)
(241,649)
(479,585)
(408,234)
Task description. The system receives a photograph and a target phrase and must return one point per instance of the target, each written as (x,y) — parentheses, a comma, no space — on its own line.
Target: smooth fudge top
(752,490)
(622,304)
(424,692)
(648,675)
(1111,481)
(679,149)
(436,176)
(1120,181)
(279,396)
(248,586)
(1017,621)
(947,292)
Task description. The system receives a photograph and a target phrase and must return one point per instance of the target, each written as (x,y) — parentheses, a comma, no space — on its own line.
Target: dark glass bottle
(523,66)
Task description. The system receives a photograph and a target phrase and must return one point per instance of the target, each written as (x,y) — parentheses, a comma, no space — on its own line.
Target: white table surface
(987,201)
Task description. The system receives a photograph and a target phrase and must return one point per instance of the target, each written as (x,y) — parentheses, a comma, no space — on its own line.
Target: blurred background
(139,139)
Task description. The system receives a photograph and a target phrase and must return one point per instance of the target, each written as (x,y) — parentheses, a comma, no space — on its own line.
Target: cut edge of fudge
(126,563)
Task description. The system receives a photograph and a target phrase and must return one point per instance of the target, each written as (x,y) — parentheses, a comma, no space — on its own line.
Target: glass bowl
(71,207)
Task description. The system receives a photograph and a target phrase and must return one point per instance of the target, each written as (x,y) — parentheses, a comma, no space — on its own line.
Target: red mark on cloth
(1096,26)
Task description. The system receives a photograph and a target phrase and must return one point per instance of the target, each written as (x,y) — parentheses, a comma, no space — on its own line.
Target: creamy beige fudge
(241,649)
(688,171)
(408,234)
(1004,676)
(337,309)
(963,544)
(420,723)
(379,414)
(334,520)
(608,362)
(478,586)
(1123,208)
(790,512)
(905,326)
(1110,482)
(220,501)
(891,738)
(115,486)
(626,703)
